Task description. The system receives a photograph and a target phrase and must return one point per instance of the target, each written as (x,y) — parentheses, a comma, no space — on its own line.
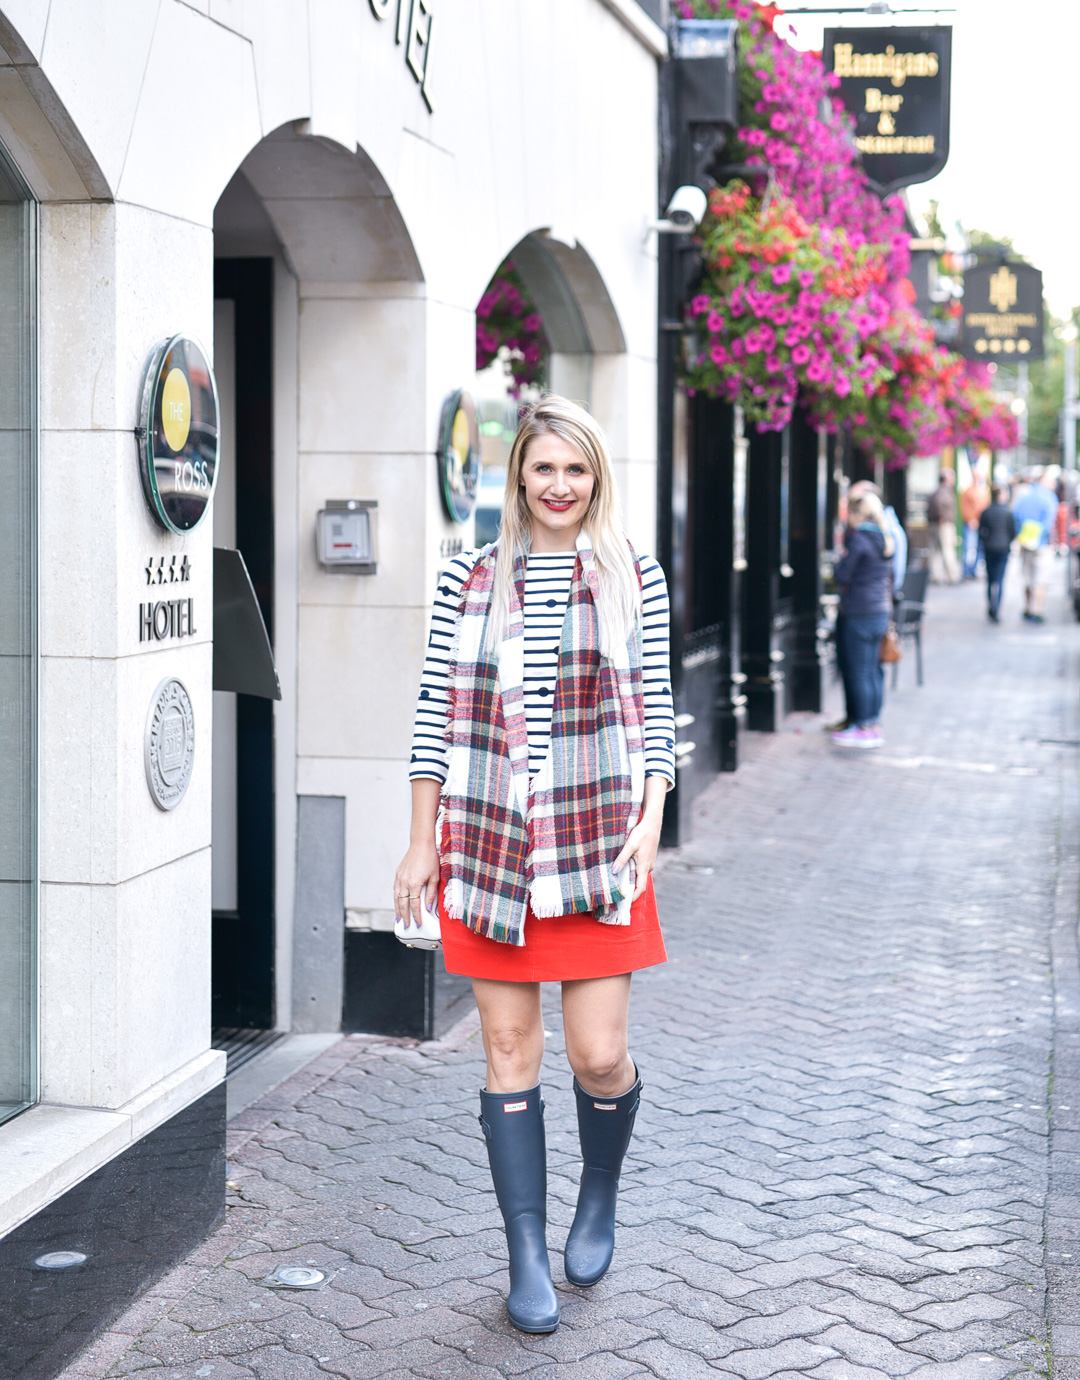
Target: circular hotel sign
(178,434)
(459,455)
(169,744)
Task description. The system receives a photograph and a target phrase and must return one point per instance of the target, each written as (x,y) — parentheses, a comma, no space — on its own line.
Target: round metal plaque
(178,434)
(459,454)
(169,744)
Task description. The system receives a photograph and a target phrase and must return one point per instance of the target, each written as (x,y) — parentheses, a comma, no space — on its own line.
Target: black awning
(243,659)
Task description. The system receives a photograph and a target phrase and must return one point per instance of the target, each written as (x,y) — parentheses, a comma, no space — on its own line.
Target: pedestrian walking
(1034,515)
(996,532)
(899,560)
(973,500)
(864,574)
(941,518)
(544,743)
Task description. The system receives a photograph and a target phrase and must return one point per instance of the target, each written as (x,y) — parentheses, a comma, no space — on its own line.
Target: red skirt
(560,949)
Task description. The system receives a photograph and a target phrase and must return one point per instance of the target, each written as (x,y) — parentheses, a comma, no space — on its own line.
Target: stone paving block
(865,1348)
(781,1272)
(659,1358)
(768,1330)
(605,1367)
(976,1366)
(841,1369)
(872,1317)
(970,1308)
(795,1354)
(1066,1339)
(975,1336)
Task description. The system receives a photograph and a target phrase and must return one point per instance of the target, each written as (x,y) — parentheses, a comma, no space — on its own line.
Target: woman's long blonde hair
(868,508)
(619,596)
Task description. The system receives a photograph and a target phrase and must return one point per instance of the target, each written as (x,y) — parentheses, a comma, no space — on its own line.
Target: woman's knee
(513,1049)
(597,1066)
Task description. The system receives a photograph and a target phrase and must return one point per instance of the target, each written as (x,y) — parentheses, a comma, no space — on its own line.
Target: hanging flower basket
(509,328)
(806,297)
(785,308)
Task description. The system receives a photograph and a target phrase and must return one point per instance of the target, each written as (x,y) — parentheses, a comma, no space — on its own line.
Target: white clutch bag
(428,936)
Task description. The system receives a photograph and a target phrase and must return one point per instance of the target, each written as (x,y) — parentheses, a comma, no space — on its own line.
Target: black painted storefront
(743,526)
(134,1219)
(786,510)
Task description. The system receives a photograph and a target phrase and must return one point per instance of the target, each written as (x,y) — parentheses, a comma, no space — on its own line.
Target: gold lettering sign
(897,67)
(998,347)
(895,143)
(894,83)
(1003,289)
(1009,324)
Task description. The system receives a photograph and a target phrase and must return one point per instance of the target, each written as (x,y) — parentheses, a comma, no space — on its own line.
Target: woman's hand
(416,882)
(643,841)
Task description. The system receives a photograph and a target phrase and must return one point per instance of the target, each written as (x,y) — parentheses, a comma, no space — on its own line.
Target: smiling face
(558,487)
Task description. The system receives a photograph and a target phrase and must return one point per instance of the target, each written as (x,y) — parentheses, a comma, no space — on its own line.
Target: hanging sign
(1003,312)
(895,82)
(459,455)
(178,434)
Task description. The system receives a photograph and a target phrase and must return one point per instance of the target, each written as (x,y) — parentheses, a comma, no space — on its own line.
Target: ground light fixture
(295,1277)
(60,1260)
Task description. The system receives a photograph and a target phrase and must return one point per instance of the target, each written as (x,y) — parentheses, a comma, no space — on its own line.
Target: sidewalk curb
(1062,1220)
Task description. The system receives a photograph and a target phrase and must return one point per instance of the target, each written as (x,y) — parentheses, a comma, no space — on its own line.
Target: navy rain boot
(605,1125)
(513,1126)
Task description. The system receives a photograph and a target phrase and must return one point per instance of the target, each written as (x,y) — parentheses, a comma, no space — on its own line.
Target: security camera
(687,207)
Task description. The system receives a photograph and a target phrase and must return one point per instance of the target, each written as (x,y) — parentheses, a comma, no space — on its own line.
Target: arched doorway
(311,259)
(545,322)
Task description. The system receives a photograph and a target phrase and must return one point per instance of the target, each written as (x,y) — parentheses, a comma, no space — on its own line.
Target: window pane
(18,650)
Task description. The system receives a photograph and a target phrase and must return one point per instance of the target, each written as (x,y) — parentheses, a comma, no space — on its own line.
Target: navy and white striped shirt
(547,591)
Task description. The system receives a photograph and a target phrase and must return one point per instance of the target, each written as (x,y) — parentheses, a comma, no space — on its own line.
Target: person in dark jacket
(996,534)
(865,576)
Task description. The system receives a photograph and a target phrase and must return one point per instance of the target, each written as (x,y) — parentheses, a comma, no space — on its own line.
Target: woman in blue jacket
(865,576)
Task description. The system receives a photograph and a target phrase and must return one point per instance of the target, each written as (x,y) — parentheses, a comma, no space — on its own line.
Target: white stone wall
(128,120)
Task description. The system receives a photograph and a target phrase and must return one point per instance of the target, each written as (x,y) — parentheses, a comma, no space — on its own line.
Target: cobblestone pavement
(842,1161)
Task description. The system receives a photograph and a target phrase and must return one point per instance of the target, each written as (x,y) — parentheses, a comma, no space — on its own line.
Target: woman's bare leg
(607,1091)
(595,1013)
(513,1031)
(514,1132)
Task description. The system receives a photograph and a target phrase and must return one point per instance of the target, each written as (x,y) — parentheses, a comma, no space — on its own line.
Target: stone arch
(580,320)
(579,315)
(330,210)
(38,132)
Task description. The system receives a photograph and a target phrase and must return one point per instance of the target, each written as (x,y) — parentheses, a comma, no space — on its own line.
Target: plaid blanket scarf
(506,841)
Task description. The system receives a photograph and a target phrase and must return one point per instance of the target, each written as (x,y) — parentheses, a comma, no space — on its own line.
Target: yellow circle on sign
(460,436)
(176,409)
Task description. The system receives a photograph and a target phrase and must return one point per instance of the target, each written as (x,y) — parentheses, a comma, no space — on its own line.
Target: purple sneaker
(859,737)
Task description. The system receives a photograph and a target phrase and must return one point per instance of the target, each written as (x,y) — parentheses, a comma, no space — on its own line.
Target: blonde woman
(865,576)
(544,743)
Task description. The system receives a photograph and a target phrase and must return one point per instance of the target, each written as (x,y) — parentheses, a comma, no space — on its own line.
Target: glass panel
(18,649)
